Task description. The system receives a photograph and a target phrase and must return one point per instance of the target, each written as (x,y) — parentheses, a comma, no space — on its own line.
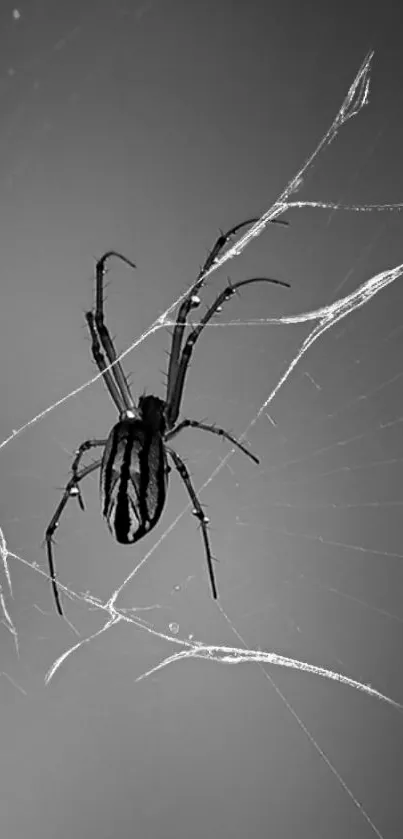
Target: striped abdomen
(133,480)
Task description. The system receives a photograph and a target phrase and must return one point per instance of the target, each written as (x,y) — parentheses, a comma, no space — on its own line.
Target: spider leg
(191,301)
(103,367)
(84,447)
(223,238)
(70,490)
(173,406)
(220,432)
(199,513)
(115,378)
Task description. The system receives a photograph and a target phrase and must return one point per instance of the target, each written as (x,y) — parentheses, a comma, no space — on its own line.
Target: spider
(134,466)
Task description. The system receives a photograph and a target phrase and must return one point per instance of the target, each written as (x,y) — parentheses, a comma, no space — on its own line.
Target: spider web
(328,471)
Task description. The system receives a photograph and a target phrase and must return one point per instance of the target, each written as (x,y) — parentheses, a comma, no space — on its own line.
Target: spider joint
(200,515)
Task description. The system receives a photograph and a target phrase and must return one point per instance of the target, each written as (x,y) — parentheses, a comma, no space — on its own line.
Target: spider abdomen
(133,480)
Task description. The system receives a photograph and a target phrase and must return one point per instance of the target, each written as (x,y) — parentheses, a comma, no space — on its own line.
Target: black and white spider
(134,466)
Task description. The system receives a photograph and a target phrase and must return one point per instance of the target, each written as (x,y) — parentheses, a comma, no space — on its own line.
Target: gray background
(146,127)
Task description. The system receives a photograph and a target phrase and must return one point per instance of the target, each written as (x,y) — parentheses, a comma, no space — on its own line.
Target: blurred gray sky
(147,127)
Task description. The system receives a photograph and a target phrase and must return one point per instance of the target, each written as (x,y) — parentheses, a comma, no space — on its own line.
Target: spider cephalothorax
(134,466)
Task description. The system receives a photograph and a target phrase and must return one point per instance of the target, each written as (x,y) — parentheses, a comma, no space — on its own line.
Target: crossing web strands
(323,319)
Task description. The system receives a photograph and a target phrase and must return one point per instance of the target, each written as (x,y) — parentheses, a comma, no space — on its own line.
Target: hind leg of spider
(71,489)
(213,429)
(199,513)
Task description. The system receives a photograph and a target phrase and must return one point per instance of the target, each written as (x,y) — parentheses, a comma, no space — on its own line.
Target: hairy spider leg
(214,429)
(173,407)
(106,371)
(115,378)
(68,492)
(199,513)
(191,302)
